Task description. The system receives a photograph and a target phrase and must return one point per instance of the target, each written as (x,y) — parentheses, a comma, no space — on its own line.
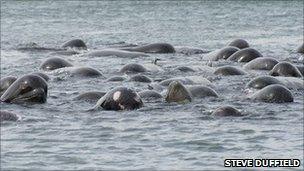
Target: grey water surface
(63,135)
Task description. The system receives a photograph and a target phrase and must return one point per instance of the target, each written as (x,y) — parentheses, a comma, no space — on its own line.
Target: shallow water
(61,134)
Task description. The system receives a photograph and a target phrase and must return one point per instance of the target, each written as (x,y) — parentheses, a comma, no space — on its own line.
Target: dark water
(61,134)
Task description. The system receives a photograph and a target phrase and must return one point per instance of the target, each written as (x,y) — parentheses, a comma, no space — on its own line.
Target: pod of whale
(285,69)
(245,55)
(177,92)
(272,88)
(263,63)
(29,88)
(120,98)
(274,93)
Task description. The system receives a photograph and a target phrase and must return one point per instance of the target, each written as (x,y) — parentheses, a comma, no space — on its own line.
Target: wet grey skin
(301,69)
(274,93)
(202,91)
(8,116)
(245,55)
(225,53)
(228,70)
(177,92)
(43,75)
(226,111)
(120,98)
(54,63)
(116,79)
(262,63)
(300,49)
(64,52)
(92,96)
(29,88)
(153,48)
(133,68)
(262,81)
(140,78)
(285,69)
(35,47)
(185,69)
(239,43)
(75,43)
(85,72)
(121,45)
(5,82)
(150,94)
(117,53)
(189,50)
(184,81)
